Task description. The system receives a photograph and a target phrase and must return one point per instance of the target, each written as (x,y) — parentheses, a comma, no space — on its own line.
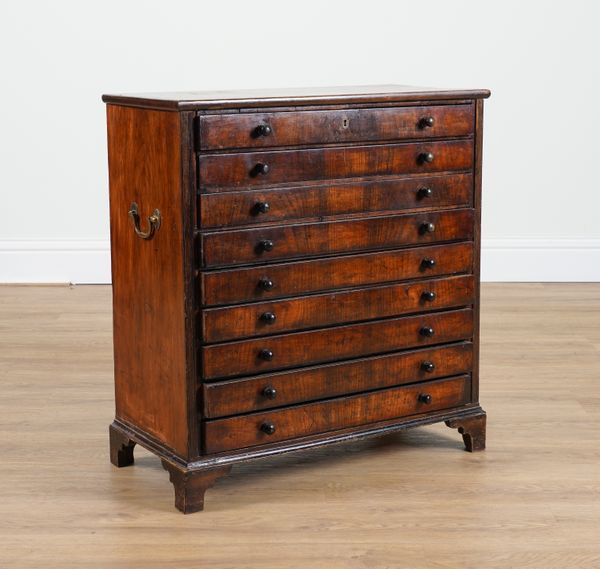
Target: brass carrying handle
(153,222)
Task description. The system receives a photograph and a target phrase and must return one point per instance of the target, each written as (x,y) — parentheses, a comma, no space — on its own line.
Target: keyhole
(345,123)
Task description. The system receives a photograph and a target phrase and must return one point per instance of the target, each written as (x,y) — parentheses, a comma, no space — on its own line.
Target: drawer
(288,241)
(237,396)
(334,414)
(257,130)
(332,344)
(279,204)
(219,172)
(315,311)
(300,277)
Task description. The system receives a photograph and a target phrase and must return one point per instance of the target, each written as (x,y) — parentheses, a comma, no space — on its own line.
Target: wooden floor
(413,500)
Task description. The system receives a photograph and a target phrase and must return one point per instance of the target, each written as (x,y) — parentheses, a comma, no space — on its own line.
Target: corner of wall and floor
(503,260)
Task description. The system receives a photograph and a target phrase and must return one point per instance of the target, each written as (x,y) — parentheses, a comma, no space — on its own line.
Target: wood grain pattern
(245,395)
(291,128)
(245,430)
(526,502)
(257,98)
(236,170)
(304,348)
(229,209)
(291,241)
(242,284)
(247,320)
(148,285)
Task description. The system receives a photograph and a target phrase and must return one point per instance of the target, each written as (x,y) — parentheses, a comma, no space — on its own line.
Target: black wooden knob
(428,366)
(260,168)
(269,392)
(268,428)
(266,283)
(425,398)
(426,331)
(428,263)
(428,295)
(268,317)
(265,355)
(426,122)
(263,130)
(425,157)
(427,227)
(266,245)
(261,207)
(424,193)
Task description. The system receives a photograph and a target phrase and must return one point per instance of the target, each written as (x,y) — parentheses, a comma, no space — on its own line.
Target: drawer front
(248,169)
(266,391)
(281,242)
(263,318)
(279,204)
(257,130)
(332,344)
(289,279)
(345,412)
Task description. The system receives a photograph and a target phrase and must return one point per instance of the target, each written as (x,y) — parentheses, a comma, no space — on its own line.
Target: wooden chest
(292,269)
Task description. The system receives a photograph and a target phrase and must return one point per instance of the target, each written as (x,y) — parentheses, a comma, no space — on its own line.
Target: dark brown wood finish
(247,430)
(237,396)
(264,318)
(279,204)
(292,128)
(190,485)
(234,170)
(293,97)
(303,348)
(472,430)
(477,239)
(144,149)
(310,274)
(121,447)
(302,240)
(288,279)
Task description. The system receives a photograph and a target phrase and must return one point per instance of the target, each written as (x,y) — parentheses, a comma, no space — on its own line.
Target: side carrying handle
(153,222)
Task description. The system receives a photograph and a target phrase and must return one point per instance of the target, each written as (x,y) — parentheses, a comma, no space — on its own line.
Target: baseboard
(503,260)
(80,262)
(540,260)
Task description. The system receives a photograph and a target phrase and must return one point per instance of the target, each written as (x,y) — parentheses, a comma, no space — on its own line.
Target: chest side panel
(148,280)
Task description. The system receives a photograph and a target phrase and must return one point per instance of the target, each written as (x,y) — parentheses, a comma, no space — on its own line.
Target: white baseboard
(503,260)
(540,260)
(81,262)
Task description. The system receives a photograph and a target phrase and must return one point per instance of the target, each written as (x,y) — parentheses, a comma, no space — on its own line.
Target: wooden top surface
(193,100)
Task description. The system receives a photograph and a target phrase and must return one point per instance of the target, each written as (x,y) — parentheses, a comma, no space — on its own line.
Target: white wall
(540,59)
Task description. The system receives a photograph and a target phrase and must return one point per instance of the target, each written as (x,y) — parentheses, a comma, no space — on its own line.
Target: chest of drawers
(291,269)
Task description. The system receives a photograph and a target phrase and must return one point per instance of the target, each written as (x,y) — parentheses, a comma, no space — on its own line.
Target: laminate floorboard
(411,500)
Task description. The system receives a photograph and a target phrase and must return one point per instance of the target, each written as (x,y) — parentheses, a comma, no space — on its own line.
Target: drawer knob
(269,392)
(426,331)
(428,295)
(263,130)
(261,207)
(426,157)
(268,428)
(266,283)
(427,227)
(266,355)
(268,317)
(428,366)
(424,193)
(425,398)
(260,168)
(428,263)
(426,122)
(266,245)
